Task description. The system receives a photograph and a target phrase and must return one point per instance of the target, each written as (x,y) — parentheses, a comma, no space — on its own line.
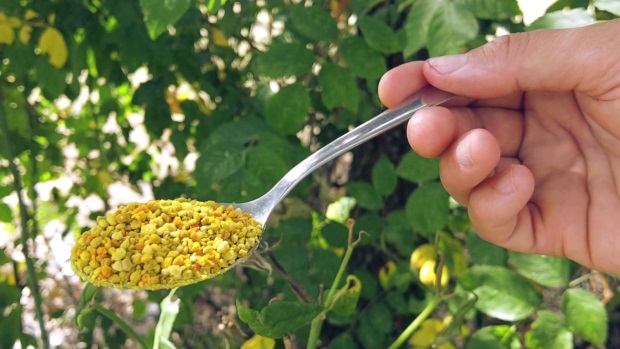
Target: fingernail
(506,184)
(447,64)
(463,153)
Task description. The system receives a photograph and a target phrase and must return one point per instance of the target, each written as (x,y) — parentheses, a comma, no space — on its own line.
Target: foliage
(216,99)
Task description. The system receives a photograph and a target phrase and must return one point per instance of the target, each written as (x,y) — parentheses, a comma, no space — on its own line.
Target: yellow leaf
(24,34)
(219,38)
(51,18)
(30,14)
(14,22)
(52,43)
(259,342)
(7,35)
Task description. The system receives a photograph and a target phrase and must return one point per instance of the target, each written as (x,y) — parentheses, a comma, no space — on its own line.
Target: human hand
(536,156)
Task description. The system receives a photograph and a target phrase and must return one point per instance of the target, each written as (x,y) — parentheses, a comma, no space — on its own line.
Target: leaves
(585,315)
(365,195)
(491,9)
(501,293)
(563,19)
(158,15)
(346,298)
(415,168)
(286,111)
(283,59)
(442,26)
(259,342)
(383,176)
(548,332)
(545,270)
(427,208)
(52,43)
(611,6)
(499,337)
(379,35)
(279,318)
(314,23)
(338,88)
(169,311)
(361,59)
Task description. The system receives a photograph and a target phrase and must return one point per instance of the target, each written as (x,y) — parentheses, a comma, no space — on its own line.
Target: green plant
(215,100)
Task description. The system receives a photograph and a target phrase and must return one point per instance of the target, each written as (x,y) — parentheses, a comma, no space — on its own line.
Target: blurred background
(106,102)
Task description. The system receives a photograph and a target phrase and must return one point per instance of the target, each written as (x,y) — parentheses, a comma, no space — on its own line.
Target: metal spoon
(259,209)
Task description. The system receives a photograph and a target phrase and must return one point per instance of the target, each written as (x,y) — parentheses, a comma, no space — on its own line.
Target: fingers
(499,212)
(401,82)
(468,161)
(553,60)
(432,130)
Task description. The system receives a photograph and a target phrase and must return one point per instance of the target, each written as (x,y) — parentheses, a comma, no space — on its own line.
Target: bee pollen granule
(163,244)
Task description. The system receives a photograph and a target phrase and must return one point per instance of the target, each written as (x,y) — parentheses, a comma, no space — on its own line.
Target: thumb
(581,59)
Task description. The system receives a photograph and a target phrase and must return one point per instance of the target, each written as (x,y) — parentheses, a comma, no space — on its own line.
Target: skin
(536,156)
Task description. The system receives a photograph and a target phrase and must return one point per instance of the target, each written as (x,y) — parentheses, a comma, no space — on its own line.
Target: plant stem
(24,219)
(428,310)
(317,322)
(122,323)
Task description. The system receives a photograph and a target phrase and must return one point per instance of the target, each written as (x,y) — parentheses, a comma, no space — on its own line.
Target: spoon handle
(385,121)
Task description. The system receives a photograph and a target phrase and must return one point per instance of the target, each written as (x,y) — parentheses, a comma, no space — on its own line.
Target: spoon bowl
(187,241)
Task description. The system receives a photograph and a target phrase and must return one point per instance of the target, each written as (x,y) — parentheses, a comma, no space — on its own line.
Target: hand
(536,157)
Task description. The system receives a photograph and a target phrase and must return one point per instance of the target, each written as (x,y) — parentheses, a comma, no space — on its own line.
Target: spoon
(118,259)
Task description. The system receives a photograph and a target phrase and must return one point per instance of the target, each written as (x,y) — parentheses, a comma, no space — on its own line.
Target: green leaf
(379,35)
(365,195)
(451,27)
(611,6)
(417,24)
(346,298)
(88,294)
(160,14)
(214,5)
(496,337)
(361,59)
(169,312)
(267,165)
(414,168)
(342,341)
(50,79)
(492,9)
(284,59)
(218,161)
(548,332)
(336,234)
(427,208)
(572,18)
(9,295)
(502,293)
(545,270)
(15,110)
(286,111)
(384,176)
(5,213)
(398,232)
(279,318)
(10,324)
(585,315)
(338,88)
(314,23)
(483,252)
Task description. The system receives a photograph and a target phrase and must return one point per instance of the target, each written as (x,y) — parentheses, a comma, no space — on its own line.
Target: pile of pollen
(164,244)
